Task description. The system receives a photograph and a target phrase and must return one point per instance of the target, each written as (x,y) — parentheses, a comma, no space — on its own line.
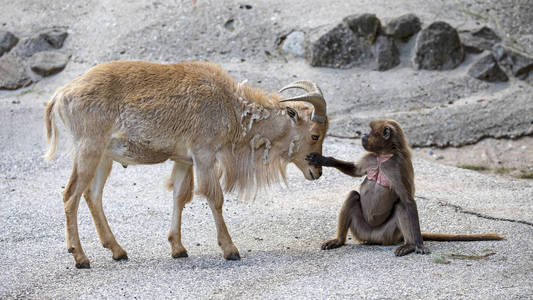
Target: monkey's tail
(445,237)
(51,128)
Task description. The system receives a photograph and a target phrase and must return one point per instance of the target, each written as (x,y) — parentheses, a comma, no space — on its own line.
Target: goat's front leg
(209,186)
(183,186)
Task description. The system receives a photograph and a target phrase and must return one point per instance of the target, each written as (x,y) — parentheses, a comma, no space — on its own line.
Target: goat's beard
(246,170)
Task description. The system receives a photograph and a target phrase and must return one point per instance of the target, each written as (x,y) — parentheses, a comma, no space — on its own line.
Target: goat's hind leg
(93,197)
(86,160)
(183,183)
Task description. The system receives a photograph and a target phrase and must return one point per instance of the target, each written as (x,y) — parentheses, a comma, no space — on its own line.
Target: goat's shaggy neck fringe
(245,167)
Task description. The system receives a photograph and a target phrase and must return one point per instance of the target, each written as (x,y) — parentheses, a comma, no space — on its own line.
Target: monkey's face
(378,140)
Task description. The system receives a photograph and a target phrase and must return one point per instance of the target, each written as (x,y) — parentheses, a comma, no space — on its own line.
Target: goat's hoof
(180,254)
(122,256)
(233,256)
(83,265)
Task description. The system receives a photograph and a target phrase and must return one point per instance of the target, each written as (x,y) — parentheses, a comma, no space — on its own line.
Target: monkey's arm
(409,222)
(349,168)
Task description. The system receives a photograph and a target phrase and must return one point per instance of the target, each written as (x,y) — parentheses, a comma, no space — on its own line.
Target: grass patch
(528,175)
(444,257)
(473,167)
(501,171)
(440,259)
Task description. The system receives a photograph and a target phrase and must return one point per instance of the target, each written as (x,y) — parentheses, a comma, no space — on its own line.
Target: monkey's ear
(386,133)
(292,113)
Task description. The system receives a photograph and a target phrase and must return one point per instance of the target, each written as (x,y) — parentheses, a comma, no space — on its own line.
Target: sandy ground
(279,233)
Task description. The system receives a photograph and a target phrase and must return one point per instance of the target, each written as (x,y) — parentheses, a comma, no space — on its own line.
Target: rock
(513,61)
(403,26)
(44,41)
(13,73)
(364,25)
(46,63)
(487,69)
(508,115)
(478,40)
(340,47)
(387,53)
(438,47)
(294,43)
(7,41)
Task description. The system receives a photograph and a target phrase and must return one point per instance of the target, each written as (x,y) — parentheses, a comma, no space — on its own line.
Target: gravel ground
(278,236)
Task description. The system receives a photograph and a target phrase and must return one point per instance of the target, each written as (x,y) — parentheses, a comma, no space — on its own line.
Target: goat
(192,113)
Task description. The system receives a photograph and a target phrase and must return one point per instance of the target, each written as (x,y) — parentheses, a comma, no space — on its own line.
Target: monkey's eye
(315,137)
(386,133)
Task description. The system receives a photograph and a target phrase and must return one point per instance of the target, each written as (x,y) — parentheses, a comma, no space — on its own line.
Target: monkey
(384,212)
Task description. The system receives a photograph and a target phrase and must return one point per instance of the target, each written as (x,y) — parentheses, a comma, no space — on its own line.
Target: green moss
(440,259)
(501,171)
(528,175)
(473,167)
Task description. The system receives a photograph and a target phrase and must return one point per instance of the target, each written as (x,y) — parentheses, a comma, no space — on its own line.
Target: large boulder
(387,53)
(478,40)
(294,43)
(487,69)
(44,41)
(403,26)
(7,41)
(513,61)
(46,63)
(339,47)
(364,25)
(13,73)
(438,47)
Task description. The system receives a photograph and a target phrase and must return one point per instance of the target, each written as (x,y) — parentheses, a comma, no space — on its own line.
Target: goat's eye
(315,137)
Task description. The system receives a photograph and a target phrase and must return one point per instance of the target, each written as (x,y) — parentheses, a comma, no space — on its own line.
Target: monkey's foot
(409,248)
(404,250)
(422,250)
(331,244)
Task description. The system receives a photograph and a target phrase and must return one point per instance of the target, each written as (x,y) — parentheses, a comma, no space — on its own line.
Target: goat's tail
(443,237)
(51,128)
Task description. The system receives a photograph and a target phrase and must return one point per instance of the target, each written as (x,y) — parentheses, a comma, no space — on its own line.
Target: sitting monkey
(384,212)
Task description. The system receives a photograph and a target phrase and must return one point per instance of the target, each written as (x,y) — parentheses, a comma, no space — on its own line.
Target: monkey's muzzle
(364,140)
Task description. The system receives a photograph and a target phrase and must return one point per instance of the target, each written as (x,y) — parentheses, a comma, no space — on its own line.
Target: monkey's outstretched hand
(317,160)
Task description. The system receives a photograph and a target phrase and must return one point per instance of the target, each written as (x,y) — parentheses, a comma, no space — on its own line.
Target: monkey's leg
(387,233)
(345,221)
(404,223)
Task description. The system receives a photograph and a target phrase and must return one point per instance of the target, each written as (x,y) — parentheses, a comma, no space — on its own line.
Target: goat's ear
(292,113)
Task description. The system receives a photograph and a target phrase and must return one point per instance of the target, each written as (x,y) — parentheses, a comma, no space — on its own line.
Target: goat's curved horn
(313,96)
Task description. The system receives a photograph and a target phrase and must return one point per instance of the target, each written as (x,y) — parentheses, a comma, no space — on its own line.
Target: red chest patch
(375,174)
